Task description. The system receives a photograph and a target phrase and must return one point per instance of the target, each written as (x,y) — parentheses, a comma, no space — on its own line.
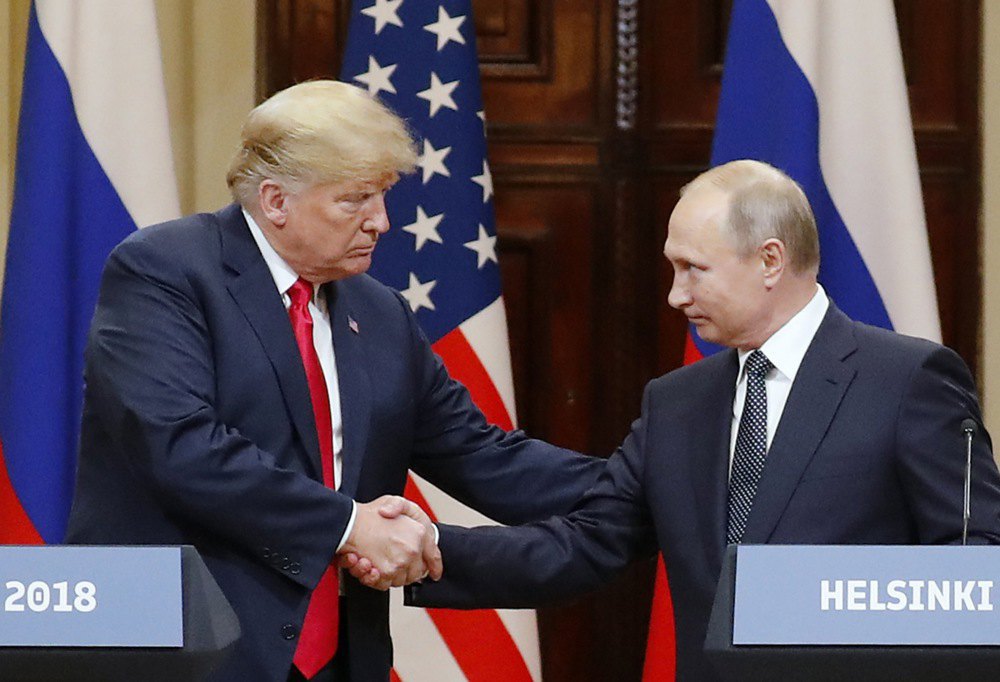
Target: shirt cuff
(350,526)
(437,533)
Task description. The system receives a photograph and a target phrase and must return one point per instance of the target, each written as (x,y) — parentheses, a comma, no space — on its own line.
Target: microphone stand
(969,429)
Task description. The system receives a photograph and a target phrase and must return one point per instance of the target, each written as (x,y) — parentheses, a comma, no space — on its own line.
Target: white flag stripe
(486,332)
(867,151)
(448,509)
(523,627)
(419,652)
(522,624)
(102,82)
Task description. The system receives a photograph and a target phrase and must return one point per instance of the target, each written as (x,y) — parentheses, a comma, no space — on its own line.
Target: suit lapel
(712,412)
(354,382)
(819,387)
(250,283)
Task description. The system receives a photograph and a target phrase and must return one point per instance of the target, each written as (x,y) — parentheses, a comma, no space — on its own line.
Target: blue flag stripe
(768,111)
(65,220)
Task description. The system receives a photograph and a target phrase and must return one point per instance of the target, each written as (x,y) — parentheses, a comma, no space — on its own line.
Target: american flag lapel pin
(353,324)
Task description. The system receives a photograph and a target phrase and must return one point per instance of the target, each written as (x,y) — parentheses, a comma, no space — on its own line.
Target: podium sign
(867,595)
(90,597)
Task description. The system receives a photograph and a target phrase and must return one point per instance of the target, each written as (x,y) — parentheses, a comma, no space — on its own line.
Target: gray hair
(764,203)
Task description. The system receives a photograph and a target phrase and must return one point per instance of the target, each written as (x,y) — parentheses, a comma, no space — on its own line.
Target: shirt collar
(787,346)
(281,272)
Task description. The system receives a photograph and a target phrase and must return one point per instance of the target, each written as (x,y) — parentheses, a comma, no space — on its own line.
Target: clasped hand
(391,545)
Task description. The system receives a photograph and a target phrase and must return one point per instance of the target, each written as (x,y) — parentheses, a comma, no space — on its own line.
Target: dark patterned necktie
(751,447)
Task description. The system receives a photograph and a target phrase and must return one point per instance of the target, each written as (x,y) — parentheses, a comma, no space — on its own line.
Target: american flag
(419,57)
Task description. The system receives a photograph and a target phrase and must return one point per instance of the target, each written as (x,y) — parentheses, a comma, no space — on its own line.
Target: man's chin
(361,264)
(706,330)
(357,263)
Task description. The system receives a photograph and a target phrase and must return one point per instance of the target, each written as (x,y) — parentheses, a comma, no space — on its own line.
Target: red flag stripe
(481,644)
(661,644)
(465,367)
(691,352)
(17,528)
(661,647)
(479,641)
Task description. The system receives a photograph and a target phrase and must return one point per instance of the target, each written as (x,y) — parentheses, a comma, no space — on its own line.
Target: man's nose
(378,220)
(678,296)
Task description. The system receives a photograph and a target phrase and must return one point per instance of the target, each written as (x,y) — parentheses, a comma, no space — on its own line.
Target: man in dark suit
(811,429)
(250,391)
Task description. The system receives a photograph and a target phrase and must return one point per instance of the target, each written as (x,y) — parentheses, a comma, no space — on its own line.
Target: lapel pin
(353,324)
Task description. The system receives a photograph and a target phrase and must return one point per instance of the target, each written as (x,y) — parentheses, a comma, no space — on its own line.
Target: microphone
(969,429)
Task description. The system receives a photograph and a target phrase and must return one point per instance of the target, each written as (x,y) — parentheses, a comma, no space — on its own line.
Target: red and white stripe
(440,645)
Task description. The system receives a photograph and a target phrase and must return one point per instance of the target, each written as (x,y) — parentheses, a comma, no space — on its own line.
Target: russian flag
(816,88)
(93,163)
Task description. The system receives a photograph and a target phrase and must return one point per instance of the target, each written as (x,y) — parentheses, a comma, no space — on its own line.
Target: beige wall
(13,23)
(991,215)
(208,67)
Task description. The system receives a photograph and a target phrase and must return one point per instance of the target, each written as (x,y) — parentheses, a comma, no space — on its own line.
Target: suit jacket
(198,428)
(868,450)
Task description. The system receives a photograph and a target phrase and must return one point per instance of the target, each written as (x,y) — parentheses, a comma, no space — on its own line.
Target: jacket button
(289,631)
(295,568)
(267,552)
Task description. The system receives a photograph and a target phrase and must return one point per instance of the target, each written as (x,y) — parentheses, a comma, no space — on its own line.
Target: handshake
(393,543)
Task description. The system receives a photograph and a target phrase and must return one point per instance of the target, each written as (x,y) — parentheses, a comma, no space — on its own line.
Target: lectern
(110,614)
(816,613)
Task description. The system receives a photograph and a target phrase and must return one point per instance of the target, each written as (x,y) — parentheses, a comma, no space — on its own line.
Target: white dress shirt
(284,277)
(785,349)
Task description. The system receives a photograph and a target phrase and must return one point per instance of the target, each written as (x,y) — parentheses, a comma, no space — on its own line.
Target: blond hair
(764,203)
(317,132)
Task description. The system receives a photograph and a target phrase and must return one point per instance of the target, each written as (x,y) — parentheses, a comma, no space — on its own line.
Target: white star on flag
(377,77)
(455,296)
(424,228)
(485,181)
(446,28)
(432,161)
(439,94)
(485,247)
(384,12)
(419,293)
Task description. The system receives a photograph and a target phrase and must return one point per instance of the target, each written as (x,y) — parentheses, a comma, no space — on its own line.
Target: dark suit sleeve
(507,476)
(931,453)
(150,379)
(549,561)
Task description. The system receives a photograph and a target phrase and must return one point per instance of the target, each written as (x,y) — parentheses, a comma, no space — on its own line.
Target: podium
(816,613)
(178,628)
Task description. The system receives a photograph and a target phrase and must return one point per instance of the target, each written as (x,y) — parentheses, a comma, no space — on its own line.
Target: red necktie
(318,640)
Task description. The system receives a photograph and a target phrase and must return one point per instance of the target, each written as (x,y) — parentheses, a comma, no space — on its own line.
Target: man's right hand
(391,544)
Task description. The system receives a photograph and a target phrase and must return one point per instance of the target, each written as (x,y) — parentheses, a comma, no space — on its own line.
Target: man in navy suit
(811,429)
(250,391)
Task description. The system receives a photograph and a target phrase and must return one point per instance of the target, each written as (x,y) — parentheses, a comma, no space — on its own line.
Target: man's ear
(773,261)
(273,200)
